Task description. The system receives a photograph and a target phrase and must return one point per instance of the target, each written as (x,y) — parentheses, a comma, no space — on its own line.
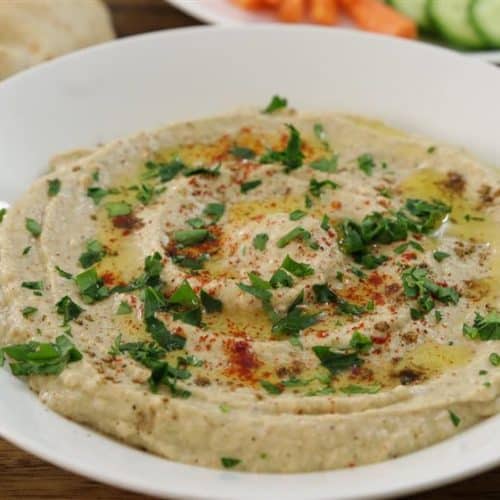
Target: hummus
(273,292)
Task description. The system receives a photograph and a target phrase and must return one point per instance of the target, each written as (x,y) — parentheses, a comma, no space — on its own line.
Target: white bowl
(118,88)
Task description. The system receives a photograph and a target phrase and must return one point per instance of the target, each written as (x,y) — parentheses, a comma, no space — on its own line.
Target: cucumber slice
(414,9)
(451,18)
(485,17)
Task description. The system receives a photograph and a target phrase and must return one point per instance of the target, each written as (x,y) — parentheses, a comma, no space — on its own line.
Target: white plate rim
(231,15)
(458,471)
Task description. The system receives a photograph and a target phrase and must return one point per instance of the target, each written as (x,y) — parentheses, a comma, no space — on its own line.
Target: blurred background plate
(224,12)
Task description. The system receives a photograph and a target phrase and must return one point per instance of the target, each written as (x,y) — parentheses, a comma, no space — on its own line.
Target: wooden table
(25,476)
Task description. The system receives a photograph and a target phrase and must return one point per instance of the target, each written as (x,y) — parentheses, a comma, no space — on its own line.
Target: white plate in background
(226,13)
(117,88)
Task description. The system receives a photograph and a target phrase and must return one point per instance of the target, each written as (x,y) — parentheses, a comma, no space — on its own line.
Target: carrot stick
(372,15)
(291,11)
(323,11)
(249,4)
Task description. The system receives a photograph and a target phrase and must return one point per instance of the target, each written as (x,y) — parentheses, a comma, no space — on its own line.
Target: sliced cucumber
(451,18)
(485,17)
(414,9)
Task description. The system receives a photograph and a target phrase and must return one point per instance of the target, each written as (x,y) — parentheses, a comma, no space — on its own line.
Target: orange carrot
(372,15)
(249,4)
(271,3)
(323,11)
(291,11)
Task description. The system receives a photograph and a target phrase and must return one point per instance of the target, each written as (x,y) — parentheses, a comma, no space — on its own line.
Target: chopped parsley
(26,250)
(63,274)
(91,286)
(210,303)
(68,309)
(403,247)
(33,227)
(440,256)
(417,216)
(315,186)
(326,164)
(484,327)
(41,358)
(189,237)
(123,308)
(323,295)
(54,186)
(97,194)
(319,132)
(94,253)
(151,356)
(28,311)
(360,389)
(455,419)
(325,223)
(196,223)
(164,171)
(277,102)
(260,241)
(118,208)
(146,193)
(418,286)
(33,285)
(336,361)
(215,211)
(360,342)
(298,269)
(187,305)
(469,218)
(242,153)
(297,215)
(292,156)
(3,211)
(294,321)
(271,388)
(298,233)
(281,279)
(366,164)
(211,172)
(229,462)
(494,359)
(248,186)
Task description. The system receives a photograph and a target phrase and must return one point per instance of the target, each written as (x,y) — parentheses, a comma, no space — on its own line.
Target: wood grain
(23,476)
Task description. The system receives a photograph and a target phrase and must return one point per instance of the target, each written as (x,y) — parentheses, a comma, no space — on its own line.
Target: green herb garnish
(54,186)
(484,327)
(118,208)
(337,361)
(319,132)
(29,311)
(360,389)
(455,419)
(298,269)
(94,253)
(215,211)
(229,462)
(292,156)
(326,164)
(440,256)
(271,388)
(33,227)
(242,152)
(360,342)
(210,303)
(123,308)
(297,215)
(315,186)
(190,237)
(366,164)
(248,186)
(68,309)
(41,358)
(276,103)
(260,241)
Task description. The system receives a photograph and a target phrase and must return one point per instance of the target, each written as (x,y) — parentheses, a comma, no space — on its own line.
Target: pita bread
(32,31)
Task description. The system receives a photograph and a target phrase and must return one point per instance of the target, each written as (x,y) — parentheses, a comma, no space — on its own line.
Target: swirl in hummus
(274,292)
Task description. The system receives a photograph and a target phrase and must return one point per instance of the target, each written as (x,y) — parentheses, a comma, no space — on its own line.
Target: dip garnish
(277,102)
(292,156)
(54,186)
(366,164)
(33,227)
(248,186)
(94,253)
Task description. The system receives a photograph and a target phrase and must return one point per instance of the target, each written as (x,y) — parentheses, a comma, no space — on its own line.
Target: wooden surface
(23,476)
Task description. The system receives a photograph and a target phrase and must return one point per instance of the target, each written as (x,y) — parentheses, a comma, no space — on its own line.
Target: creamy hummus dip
(271,292)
